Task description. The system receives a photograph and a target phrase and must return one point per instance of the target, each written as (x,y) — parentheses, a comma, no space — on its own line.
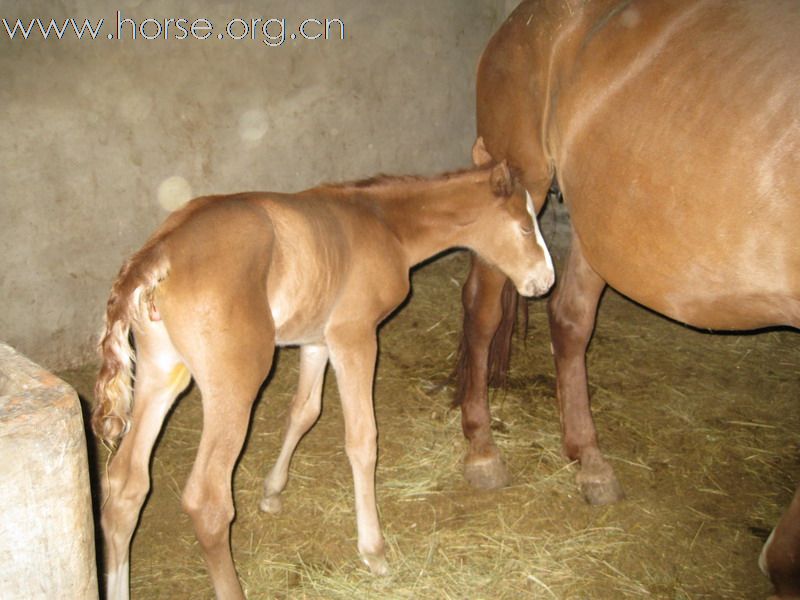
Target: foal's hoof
(487,473)
(271,504)
(599,485)
(376,563)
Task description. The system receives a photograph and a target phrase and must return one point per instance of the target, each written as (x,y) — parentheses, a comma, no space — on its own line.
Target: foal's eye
(526,230)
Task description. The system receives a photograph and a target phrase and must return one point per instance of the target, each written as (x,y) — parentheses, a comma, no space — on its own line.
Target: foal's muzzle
(539,282)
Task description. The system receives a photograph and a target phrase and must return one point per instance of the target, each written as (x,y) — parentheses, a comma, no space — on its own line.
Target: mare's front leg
(353,350)
(572,310)
(780,557)
(483,311)
(303,413)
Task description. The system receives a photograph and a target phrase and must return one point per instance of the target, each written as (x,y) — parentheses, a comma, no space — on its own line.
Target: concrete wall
(101,137)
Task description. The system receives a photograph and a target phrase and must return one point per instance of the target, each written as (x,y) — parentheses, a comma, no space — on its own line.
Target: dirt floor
(701,429)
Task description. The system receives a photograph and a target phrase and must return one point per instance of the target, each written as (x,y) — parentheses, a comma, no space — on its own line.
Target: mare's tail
(499,349)
(130,295)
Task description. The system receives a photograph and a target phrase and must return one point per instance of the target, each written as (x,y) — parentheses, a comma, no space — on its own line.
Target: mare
(673,132)
(226,279)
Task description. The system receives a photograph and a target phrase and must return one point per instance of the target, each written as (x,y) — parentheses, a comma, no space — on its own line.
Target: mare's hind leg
(572,309)
(780,557)
(160,377)
(483,467)
(489,299)
(303,413)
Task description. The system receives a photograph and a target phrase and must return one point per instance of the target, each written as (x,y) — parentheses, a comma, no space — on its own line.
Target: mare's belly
(709,292)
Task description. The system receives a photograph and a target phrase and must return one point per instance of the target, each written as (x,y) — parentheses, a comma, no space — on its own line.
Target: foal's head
(508,235)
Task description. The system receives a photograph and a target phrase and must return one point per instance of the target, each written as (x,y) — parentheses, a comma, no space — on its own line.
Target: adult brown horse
(673,130)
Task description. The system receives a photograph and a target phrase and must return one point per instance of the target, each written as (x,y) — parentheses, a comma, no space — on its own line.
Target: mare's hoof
(762,558)
(271,504)
(487,473)
(376,563)
(599,488)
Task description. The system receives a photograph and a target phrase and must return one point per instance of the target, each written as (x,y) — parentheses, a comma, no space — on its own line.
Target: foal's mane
(382,180)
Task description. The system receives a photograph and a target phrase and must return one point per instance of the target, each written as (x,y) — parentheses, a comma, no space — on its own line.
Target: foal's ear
(480,155)
(501,180)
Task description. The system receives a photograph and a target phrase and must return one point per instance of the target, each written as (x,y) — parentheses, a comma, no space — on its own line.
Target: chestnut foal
(226,279)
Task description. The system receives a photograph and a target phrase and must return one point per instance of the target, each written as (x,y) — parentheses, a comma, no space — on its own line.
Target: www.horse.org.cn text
(272,32)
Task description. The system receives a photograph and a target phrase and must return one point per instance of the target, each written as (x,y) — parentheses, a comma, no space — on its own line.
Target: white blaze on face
(539,239)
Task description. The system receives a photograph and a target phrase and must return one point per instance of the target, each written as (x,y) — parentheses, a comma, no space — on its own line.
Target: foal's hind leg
(229,374)
(223,327)
(160,377)
(303,413)
(572,309)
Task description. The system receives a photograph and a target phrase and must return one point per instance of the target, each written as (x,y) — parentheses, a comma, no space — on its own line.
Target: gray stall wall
(102,137)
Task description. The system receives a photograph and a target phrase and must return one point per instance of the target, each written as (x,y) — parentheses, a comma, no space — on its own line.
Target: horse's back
(676,139)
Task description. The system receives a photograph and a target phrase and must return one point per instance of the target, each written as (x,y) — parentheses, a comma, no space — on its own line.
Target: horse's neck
(428,219)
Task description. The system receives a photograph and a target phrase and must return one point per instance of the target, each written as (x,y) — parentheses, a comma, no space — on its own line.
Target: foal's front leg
(353,352)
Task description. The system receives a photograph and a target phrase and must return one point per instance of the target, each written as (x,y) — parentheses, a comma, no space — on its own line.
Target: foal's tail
(127,303)
(499,356)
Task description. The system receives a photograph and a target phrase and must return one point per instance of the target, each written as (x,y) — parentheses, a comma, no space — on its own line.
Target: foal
(226,279)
